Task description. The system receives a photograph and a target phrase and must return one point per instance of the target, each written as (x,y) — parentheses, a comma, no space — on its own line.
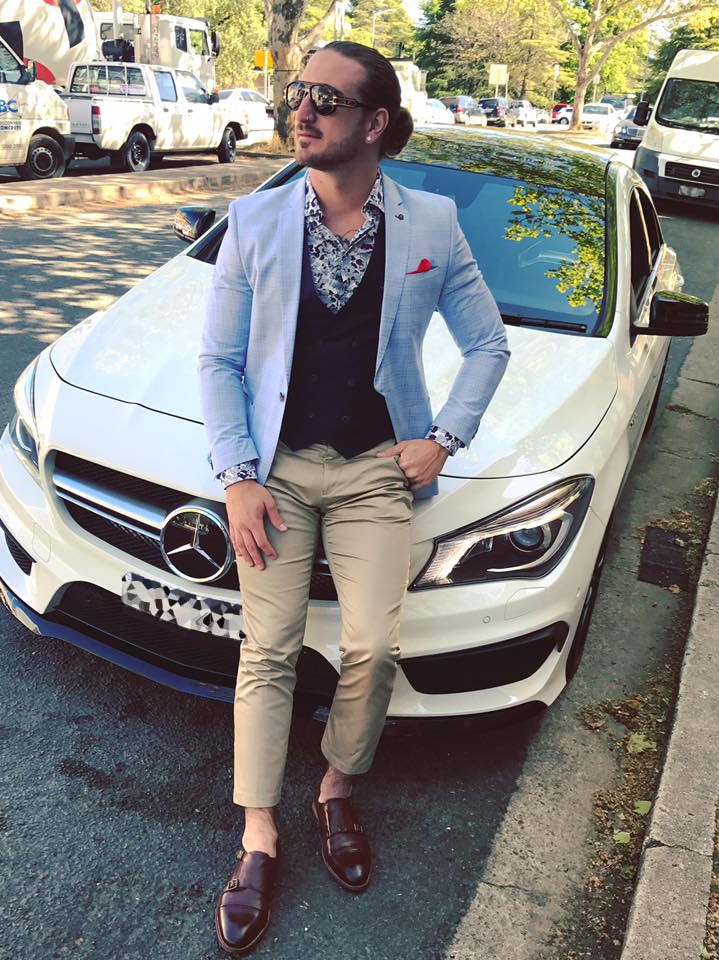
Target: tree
(596,28)
(384,24)
(700,32)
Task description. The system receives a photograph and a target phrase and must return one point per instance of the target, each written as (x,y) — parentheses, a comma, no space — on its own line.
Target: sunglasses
(324,98)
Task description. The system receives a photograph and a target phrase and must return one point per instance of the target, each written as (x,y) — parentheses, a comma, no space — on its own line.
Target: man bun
(398,132)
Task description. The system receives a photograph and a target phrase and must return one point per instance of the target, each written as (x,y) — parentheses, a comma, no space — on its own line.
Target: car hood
(143,350)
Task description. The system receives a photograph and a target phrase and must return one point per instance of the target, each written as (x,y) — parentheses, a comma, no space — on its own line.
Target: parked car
(436,112)
(622,103)
(466,110)
(521,113)
(599,116)
(495,110)
(544,116)
(258,112)
(104,473)
(627,133)
(562,114)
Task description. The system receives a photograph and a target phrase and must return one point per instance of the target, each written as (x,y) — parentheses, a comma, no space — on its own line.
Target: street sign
(497,74)
(263,60)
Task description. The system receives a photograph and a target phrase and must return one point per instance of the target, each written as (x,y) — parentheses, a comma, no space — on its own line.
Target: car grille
(202,656)
(21,557)
(127,512)
(683,171)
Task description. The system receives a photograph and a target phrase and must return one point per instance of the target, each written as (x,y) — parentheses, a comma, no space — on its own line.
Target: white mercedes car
(113,533)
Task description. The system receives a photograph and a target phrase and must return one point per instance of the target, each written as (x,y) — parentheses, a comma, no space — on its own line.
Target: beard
(321,156)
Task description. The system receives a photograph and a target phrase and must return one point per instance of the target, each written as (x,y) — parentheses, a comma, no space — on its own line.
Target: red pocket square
(424,266)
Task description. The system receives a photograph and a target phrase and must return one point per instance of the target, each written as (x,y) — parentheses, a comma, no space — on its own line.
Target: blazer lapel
(396,223)
(290,247)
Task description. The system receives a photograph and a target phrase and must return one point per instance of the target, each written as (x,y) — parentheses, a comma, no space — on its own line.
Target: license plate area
(685,190)
(221,618)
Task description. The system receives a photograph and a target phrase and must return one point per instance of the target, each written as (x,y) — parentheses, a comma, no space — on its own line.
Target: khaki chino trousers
(362,507)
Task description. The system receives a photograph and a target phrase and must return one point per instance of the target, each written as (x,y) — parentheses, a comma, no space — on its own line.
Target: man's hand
(420,460)
(248,502)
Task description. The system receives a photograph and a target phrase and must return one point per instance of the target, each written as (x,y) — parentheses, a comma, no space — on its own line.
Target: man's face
(329,142)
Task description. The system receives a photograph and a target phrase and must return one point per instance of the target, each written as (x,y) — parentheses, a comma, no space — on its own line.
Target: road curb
(668,917)
(246,172)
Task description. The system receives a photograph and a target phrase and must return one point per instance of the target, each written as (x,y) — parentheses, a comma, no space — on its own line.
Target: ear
(377,124)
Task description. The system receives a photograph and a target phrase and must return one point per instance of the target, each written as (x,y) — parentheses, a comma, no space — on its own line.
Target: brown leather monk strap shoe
(345,848)
(242,915)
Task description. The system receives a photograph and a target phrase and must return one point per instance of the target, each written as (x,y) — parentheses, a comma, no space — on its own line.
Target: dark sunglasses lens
(323,99)
(295,94)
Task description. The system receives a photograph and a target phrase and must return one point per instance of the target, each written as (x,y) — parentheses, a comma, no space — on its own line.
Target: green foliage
(700,32)
(622,836)
(386,22)
(642,807)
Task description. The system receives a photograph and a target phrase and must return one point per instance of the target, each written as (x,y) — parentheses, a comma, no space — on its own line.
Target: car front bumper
(670,178)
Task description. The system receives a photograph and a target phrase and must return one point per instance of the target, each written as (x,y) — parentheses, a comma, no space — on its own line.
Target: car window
(181,39)
(10,71)
(166,86)
(541,249)
(641,256)
(198,42)
(651,222)
(192,88)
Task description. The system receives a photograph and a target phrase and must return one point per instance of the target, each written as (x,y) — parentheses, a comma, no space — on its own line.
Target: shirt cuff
(445,439)
(243,471)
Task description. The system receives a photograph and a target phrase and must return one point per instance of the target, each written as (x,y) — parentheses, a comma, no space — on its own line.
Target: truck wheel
(227,150)
(135,155)
(45,159)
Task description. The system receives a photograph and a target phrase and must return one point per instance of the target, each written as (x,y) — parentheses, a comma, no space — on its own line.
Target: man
(319,420)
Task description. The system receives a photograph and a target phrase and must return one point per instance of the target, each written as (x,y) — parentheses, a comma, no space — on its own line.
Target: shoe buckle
(233,884)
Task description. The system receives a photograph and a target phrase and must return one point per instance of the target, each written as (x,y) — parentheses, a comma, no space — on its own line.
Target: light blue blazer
(249,333)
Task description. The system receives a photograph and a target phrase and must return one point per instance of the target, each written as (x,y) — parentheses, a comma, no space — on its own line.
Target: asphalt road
(116,825)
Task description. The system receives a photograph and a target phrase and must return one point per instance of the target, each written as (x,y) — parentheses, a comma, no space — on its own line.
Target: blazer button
(345,419)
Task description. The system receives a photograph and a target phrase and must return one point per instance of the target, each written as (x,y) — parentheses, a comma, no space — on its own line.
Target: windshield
(541,249)
(690,104)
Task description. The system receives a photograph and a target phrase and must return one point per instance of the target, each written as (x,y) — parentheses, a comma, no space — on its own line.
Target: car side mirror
(213,98)
(189,223)
(215,43)
(675,315)
(641,113)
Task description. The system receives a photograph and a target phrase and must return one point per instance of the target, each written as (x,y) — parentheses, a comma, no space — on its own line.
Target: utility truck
(132,113)
(57,33)
(679,154)
(34,122)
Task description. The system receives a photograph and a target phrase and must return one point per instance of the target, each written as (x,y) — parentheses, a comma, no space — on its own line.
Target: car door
(171,118)
(15,111)
(645,355)
(200,120)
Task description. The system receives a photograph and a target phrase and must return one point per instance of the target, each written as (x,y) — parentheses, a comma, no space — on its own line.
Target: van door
(15,119)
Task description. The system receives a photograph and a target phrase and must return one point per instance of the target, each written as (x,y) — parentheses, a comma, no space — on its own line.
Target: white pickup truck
(134,113)
(34,123)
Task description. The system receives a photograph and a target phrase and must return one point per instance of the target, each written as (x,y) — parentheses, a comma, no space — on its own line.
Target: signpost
(498,76)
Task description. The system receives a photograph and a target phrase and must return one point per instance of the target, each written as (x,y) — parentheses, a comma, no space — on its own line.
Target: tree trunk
(287,55)
(583,81)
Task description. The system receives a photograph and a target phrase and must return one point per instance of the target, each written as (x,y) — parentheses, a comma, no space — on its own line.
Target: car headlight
(23,431)
(617,130)
(525,541)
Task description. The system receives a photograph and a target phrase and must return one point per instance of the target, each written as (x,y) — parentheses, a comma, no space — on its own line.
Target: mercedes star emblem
(195,544)
(696,173)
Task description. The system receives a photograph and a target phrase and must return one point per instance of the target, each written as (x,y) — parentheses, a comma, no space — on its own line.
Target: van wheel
(227,150)
(134,156)
(45,159)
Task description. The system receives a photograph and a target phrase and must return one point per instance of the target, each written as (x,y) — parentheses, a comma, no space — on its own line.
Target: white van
(679,155)
(34,121)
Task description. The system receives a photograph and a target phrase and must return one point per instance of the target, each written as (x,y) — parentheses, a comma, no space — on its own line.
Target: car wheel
(227,150)
(45,159)
(585,617)
(134,156)
(564,122)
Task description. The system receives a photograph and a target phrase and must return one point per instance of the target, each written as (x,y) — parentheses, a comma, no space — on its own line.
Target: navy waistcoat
(331,397)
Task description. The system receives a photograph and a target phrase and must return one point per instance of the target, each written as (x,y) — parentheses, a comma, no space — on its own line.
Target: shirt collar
(313,210)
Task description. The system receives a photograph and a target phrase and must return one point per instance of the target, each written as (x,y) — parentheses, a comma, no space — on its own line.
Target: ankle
(260,833)
(335,784)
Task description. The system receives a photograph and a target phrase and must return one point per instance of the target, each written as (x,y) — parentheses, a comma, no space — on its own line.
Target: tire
(45,159)
(227,150)
(580,634)
(135,155)
(563,122)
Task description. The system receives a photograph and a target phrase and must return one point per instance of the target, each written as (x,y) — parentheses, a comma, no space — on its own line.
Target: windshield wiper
(514,321)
